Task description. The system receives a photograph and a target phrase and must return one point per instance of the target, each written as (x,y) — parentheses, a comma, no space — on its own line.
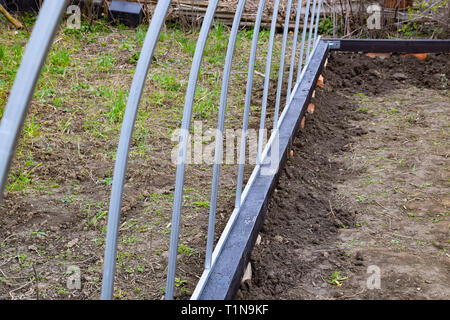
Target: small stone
(71,243)
(375,73)
(247,274)
(399,76)
(258,240)
(359,256)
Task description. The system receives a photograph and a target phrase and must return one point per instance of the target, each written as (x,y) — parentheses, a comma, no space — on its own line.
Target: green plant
(105,62)
(180,283)
(118,105)
(186,250)
(336,278)
(326,26)
(22,180)
(31,128)
(203,204)
(59,60)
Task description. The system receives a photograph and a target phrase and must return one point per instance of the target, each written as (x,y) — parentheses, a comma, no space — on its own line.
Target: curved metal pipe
(220,126)
(186,121)
(267,81)
(294,51)
(311,26)
(302,47)
(281,70)
(25,82)
(316,30)
(126,134)
(248,97)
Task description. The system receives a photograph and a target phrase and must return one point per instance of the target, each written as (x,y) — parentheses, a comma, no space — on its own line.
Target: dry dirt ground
(362,208)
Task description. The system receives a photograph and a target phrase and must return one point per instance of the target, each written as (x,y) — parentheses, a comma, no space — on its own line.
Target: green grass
(105,62)
(22,179)
(117,108)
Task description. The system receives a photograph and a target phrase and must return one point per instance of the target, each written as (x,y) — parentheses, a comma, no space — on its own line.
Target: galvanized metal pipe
(240,196)
(283,114)
(316,30)
(248,97)
(25,83)
(184,137)
(126,134)
(302,47)
(281,69)
(311,26)
(267,80)
(293,51)
(219,136)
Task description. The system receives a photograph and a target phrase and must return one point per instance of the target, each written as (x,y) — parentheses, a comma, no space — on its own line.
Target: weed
(117,109)
(440,216)
(326,26)
(59,60)
(362,109)
(22,180)
(180,283)
(167,81)
(186,250)
(394,111)
(31,128)
(336,278)
(105,62)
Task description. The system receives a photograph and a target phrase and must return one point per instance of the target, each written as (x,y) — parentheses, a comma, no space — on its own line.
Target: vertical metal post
(317,21)
(248,97)
(311,26)
(281,70)
(266,80)
(187,113)
(126,134)
(219,136)
(25,83)
(302,48)
(294,50)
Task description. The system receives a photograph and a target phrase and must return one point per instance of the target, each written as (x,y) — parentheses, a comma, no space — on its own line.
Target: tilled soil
(323,228)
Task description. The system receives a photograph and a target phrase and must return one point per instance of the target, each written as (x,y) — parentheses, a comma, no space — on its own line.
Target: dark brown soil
(300,241)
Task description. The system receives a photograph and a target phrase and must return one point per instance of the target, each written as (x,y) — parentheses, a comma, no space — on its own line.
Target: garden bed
(367,185)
